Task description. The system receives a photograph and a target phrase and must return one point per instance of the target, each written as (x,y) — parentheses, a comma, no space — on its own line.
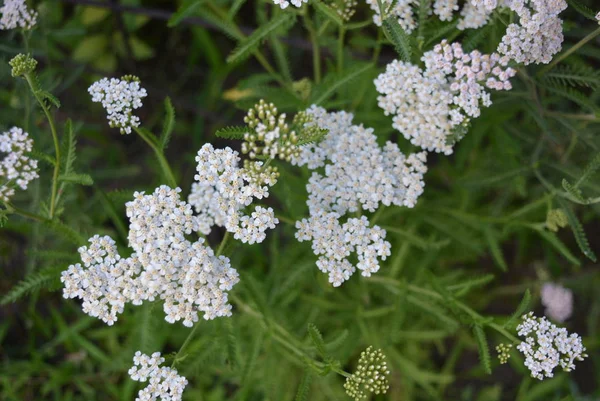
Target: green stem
(185,343)
(571,50)
(315,48)
(223,243)
(39,98)
(340,49)
(25,213)
(164,164)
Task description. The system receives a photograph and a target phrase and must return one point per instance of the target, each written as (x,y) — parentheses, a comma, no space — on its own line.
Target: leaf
(232,132)
(573,190)
(520,311)
(32,282)
(36,154)
(559,246)
(328,12)
(81,179)
(574,95)
(578,231)
(184,11)
(317,340)
(495,249)
(251,43)
(574,76)
(399,38)
(589,170)
(338,81)
(141,50)
(168,124)
(49,97)
(484,351)
(68,148)
(304,387)
(65,231)
(93,15)
(582,9)
(232,353)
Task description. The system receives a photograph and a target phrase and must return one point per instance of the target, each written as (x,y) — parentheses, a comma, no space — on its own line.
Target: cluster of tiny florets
(163,382)
(402,10)
(345,8)
(353,173)
(547,346)
(188,277)
(538,34)
(371,375)
(556,219)
(284,3)
(334,243)
(445,9)
(558,302)
(17,169)
(270,136)
(22,64)
(119,97)
(430,105)
(475,14)
(15,14)
(503,351)
(222,190)
(598,17)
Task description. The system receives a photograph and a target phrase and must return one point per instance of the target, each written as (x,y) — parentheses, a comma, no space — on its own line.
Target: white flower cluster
(164,382)
(221,192)
(558,302)
(187,276)
(358,174)
(431,105)
(487,4)
(334,243)
(547,346)
(15,14)
(598,17)
(119,97)
(284,3)
(475,14)
(538,36)
(403,10)
(16,167)
(445,9)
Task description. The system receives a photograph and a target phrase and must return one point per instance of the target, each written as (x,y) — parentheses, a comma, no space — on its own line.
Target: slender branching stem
(12,209)
(162,161)
(315,46)
(185,343)
(223,243)
(30,80)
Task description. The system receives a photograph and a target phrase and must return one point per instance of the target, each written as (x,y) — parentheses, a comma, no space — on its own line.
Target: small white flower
(16,168)
(284,3)
(15,14)
(598,17)
(547,346)
(119,97)
(558,302)
(165,382)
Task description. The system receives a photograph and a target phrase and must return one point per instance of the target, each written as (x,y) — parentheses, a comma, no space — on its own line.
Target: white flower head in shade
(284,3)
(17,169)
(432,107)
(223,190)
(445,9)
(598,17)
(354,173)
(163,382)
(15,14)
(119,97)
(558,302)
(547,346)
(538,35)
(188,277)
(403,11)
(475,14)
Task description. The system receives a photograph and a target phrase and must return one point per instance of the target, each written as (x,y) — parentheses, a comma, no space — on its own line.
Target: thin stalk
(25,213)
(340,49)
(185,343)
(223,243)
(571,50)
(40,100)
(162,161)
(315,48)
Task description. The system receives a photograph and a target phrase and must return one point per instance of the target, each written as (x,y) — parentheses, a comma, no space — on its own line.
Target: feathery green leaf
(168,124)
(399,38)
(484,351)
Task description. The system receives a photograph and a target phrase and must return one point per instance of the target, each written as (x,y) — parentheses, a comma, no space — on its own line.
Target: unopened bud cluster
(17,169)
(163,382)
(119,97)
(22,64)
(503,352)
(556,219)
(547,346)
(371,375)
(270,136)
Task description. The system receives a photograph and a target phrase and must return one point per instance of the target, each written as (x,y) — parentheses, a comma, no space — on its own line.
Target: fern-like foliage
(184,11)
(317,340)
(334,82)
(578,75)
(484,350)
(578,231)
(47,278)
(232,132)
(520,311)
(582,9)
(572,94)
(399,38)
(247,46)
(168,124)
(328,12)
(304,387)
(573,190)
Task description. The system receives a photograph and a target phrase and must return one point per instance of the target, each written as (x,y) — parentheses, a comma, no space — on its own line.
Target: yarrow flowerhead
(558,302)
(370,376)
(547,346)
(223,190)
(22,64)
(164,382)
(284,3)
(119,97)
(432,107)
(345,8)
(188,277)
(555,219)
(504,352)
(17,169)
(538,35)
(15,14)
